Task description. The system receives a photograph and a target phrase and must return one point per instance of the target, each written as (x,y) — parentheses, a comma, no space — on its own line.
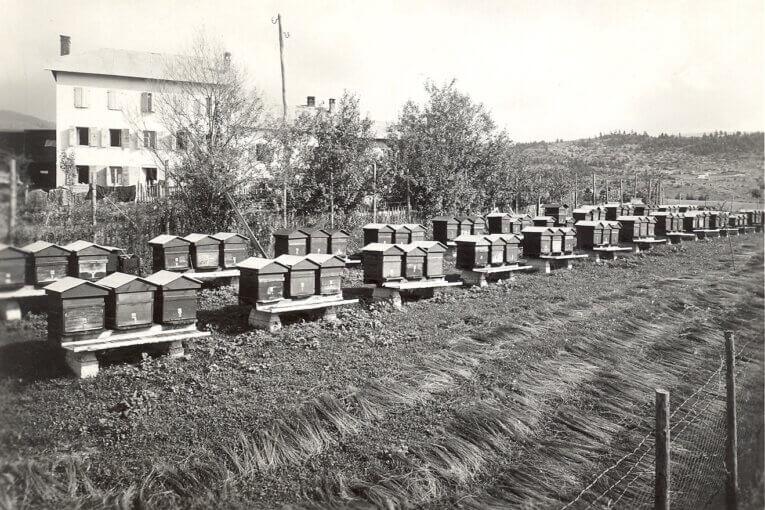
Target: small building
(378,233)
(338,242)
(413,264)
(318,240)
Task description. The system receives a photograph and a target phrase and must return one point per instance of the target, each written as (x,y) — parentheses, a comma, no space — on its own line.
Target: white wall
(97,115)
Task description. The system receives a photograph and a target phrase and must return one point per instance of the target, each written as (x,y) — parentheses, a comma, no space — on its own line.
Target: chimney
(227,61)
(331,104)
(66,43)
(311,101)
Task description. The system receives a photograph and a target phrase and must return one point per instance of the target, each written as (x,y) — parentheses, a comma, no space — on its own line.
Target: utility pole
(593,189)
(662,470)
(517,191)
(278,22)
(731,450)
(621,190)
(12,212)
(634,191)
(374,191)
(607,190)
(576,188)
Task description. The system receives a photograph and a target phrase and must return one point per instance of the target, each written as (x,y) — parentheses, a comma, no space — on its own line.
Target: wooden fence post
(731,450)
(661,480)
(93,202)
(12,190)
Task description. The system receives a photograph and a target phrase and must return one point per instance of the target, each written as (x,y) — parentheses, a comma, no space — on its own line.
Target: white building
(105,115)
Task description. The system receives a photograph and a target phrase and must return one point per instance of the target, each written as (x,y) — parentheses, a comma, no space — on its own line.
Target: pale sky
(545,69)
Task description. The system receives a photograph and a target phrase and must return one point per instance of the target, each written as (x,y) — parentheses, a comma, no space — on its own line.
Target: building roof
(114,62)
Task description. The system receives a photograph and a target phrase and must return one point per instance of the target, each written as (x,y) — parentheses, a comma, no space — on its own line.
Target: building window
(115,137)
(151,175)
(150,139)
(112,100)
(80,97)
(115,175)
(147,102)
(83,136)
(83,174)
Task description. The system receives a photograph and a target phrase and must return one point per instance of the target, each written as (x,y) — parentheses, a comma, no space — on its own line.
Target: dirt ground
(515,395)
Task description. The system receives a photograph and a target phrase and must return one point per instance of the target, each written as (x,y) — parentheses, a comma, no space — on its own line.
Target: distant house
(106,116)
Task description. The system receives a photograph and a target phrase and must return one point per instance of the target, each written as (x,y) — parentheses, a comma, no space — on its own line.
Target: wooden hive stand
(609,252)
(420,289)
(268,315)
(728,231)
(479,275)
(80,353)
(678,237)
(707,233)
(548,263)
(227,276)
(645,244)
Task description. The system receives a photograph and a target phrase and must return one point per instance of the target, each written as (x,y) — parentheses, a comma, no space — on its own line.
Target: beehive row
(503,223)
(201,252)
(41,263)
(311,240)
(120,302)
(476,251)
(263,280)
(447,228)
(411,261)
(388,233)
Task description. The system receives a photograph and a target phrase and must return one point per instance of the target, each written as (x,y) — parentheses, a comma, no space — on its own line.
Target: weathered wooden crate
(330,273)
(13,267)
(445,229)
(543,221)
(170,253)
(233,248)
(175,297)
(413,263)
(300,280)
(497,245)
(381,233)
(318,240)
(204,252)
(75,307)
(381,262)
(46,263)
(338,242)
(434,258)
(261,280)
(290,242)
(130,302)
(590,234)
(472,251)
(87,261)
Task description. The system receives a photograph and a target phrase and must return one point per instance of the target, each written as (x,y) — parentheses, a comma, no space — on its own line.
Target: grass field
(516,395)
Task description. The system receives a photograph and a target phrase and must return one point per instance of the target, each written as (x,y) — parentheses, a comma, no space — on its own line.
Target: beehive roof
(630,218)
(537,229)
(380,247)
(373,225)
(429,245)
(584,223)
(473,239)
(163,277)
(497,215)
(68,283)
(194,238)
(259,263)
(543,217)
(166,238)
(78,245)
(324,258)
(225,236)
(291,261)
(12,248)
(117,280)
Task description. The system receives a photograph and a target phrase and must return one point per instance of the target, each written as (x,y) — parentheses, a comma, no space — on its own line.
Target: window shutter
(110,100)
(85,98)
(78,97)
(125,138)
(72,136)
(93,137)
(144,102)
(106,140)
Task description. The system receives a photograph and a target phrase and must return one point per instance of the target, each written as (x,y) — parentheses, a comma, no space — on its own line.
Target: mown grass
(515,395)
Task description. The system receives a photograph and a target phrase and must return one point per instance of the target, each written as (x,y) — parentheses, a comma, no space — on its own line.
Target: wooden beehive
(378,233)
(46,263)
(300,281)
(262,280)
(472,251)
(568,239)
(434,258)
(445,229)
(204,251)
(466,225)
(400,234)
(75,307)
(540,241)
(129,263)
(130,302)
(692,220)
(13,267)
(611,231)
(113,260)
(87,260)
(318,240)
(614,210)
(416,232)
(413,262)
(543,221)
(170,253)
(559,213)
(651,224)
(175,297)
(496,249)
(631,228)
(705,217)
(381,262)
(479,225)
(330,273)
(590,234)
(233,248)
(290,242)
(338,242)
(498,223)
(512,248)
(520,221)
(664,224)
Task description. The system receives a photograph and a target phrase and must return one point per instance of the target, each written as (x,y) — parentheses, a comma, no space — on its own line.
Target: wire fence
(698,434)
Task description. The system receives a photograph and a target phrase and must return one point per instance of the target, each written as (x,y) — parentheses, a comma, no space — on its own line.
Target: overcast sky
(546,69)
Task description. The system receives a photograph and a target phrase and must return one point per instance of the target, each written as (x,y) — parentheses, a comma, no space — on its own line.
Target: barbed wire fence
(698,435)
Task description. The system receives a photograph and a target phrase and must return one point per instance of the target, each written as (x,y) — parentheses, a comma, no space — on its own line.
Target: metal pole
(12,191)
(661,481)
(731,451)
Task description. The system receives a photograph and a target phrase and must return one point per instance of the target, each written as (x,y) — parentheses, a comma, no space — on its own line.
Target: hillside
(15,121)
(719,166)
